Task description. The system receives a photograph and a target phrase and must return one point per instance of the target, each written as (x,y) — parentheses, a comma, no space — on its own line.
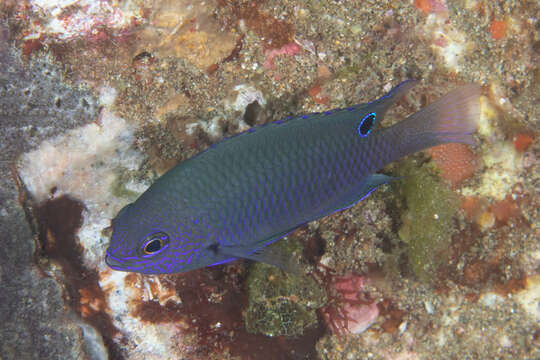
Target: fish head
(150,245)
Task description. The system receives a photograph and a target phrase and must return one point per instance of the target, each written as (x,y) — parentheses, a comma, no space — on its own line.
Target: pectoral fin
(271,254)
(373,182)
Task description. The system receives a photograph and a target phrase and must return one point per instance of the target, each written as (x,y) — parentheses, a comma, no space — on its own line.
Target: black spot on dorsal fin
(366,124)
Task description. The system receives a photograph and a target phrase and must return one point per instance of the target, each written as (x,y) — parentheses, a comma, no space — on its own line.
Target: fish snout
(113,262)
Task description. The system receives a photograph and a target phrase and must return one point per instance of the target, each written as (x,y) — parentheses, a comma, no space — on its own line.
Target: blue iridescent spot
(305,116)
(352,108)
(366,124)
(328,113)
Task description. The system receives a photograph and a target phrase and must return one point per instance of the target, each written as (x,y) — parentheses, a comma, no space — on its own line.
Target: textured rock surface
(36,324)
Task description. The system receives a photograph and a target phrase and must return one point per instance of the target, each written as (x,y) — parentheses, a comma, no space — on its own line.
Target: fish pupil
(366,124)
(156,241)
(153,246)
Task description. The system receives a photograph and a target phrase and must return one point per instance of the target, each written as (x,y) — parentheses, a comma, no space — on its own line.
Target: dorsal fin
(382,104)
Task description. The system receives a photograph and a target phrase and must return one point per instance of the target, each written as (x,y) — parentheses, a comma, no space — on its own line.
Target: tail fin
(452,118)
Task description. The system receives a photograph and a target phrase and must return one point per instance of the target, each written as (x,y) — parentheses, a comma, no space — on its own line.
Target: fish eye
(155,242)
(366,124)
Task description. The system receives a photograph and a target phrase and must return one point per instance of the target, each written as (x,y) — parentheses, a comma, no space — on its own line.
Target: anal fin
(275,255)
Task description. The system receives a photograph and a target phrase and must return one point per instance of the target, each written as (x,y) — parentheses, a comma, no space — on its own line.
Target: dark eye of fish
(155,242)
(366,124)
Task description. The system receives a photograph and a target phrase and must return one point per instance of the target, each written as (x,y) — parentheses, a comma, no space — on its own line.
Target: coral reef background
(99,98)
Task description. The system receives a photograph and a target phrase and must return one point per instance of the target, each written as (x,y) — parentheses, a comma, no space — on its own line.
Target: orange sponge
(456,161)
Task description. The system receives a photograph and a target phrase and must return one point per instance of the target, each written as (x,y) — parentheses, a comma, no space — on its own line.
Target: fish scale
(307,175)
(246,192)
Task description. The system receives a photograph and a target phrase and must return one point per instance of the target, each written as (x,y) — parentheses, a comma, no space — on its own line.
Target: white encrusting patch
(448,42)
(154,338)
(245,95)
(84,163)
(68,19)
(501,172)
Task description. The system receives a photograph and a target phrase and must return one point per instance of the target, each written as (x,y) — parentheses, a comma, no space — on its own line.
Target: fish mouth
(114,263)
(127,264)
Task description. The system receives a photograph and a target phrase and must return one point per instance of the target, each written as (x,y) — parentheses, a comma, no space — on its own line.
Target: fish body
(234,199)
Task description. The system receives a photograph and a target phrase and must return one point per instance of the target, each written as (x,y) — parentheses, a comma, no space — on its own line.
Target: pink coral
(349,309)
(288,49)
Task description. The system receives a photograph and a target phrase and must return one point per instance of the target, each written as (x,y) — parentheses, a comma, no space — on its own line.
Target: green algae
(280,303)
(119,188)
(429,222)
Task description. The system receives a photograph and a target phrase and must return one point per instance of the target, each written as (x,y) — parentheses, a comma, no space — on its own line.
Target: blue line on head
(366,124)
(114,258)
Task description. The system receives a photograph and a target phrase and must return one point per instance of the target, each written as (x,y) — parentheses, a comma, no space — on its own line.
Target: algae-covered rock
(428,223)
(282,303)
